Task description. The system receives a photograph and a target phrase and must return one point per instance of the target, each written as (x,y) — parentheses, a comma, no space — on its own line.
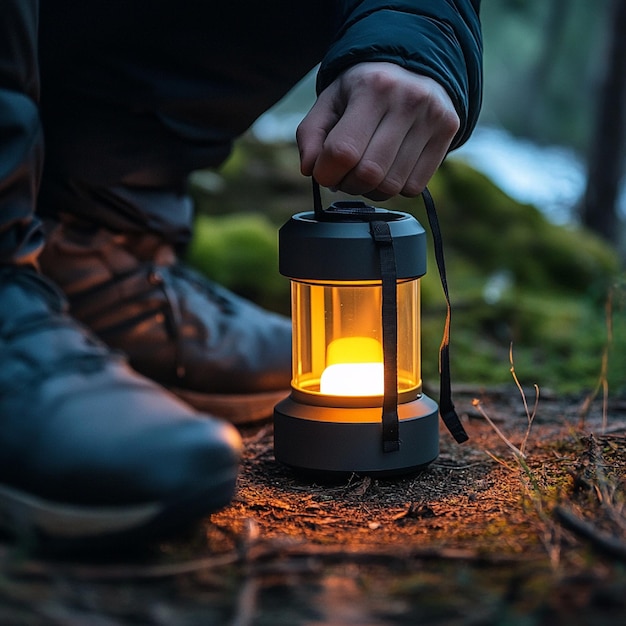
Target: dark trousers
(21,139)
(135,94)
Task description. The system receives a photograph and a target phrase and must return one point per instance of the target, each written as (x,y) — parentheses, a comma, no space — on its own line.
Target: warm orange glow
(355,368)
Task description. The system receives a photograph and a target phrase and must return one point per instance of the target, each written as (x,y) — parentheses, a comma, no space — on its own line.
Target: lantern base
(339,440)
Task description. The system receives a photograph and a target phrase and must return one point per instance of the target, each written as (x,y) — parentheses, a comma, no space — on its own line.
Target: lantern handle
(318,208)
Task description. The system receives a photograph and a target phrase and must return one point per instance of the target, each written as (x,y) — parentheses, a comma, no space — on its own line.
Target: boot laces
(207,288)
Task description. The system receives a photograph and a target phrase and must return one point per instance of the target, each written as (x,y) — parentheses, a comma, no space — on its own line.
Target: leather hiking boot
(217,351)
(90,451)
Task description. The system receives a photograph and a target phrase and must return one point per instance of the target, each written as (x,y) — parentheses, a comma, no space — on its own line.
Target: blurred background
(532,208)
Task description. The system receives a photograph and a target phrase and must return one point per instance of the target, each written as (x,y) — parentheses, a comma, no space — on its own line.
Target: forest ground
(483,535)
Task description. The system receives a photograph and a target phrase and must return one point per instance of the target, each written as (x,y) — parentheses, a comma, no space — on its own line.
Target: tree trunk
(606,156)
(542,68)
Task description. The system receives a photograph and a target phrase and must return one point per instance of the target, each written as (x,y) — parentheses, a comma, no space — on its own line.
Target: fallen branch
(52,569)
(372,555)
(262,552)
(601,541)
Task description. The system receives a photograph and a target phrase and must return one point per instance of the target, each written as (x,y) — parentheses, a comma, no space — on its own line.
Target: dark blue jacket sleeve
(440,39)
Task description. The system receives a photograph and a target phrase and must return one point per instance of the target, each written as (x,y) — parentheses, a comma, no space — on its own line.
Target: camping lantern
(356,403)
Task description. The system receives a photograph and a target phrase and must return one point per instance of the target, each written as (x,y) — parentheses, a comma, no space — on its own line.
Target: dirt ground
(482,536)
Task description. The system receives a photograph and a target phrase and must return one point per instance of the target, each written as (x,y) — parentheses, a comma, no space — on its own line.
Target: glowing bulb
(353,379)
(355,368)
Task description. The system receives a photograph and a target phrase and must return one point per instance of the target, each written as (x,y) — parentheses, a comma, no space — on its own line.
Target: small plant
(603,381)
(548,531)
(519,452)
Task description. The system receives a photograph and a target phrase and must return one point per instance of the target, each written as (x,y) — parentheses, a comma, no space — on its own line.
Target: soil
(483,535)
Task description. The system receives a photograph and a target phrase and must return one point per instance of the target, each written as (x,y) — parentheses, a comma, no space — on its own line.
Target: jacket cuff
(419,43)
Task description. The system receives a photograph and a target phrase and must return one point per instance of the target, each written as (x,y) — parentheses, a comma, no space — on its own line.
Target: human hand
(378,131)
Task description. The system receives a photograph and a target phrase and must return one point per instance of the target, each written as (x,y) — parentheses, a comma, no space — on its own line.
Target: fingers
(388,160)
(378,131)
(334,136)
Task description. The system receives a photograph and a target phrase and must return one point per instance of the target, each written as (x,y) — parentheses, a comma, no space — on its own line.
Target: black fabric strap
(381,234)
(446,406)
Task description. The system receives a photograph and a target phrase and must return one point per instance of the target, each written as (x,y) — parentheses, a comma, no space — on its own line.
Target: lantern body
(331,422)
(338,343)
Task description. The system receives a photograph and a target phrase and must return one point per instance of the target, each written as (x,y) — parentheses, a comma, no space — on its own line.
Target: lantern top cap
(336,244)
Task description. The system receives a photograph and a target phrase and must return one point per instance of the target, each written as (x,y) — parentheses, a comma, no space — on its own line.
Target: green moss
(240,251)
(485,225)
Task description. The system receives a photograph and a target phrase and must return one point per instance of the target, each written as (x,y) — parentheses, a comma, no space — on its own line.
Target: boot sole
(238,409)
(54,523)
